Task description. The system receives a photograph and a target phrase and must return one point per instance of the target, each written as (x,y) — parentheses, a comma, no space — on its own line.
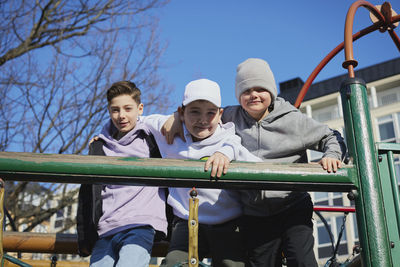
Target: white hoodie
(216,206)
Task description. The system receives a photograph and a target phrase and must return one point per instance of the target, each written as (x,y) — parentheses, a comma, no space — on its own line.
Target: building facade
(323,103)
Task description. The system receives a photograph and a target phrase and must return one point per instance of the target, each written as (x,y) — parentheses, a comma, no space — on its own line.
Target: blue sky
(209,38)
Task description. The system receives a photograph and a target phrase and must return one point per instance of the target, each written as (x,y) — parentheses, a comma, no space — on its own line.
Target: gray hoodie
(282,136)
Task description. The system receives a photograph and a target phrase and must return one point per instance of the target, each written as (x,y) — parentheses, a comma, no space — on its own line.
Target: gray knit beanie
(254,72)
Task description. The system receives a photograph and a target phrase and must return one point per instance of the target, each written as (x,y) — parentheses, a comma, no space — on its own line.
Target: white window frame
(395,119)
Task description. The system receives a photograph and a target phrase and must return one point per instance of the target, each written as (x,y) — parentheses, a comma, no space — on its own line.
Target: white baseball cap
(202,89)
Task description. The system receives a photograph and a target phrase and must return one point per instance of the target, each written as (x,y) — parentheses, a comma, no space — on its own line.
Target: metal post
(193,225)
(391,196)
(371,218)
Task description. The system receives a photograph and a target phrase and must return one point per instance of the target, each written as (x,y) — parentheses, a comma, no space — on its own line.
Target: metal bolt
(357,249)
(193,193)
(348,92)
(391,244)
(351,196)
(193,261)
(53,261)
(380,158)
(193,222)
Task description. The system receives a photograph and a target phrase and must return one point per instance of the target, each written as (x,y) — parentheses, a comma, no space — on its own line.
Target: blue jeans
(131,247)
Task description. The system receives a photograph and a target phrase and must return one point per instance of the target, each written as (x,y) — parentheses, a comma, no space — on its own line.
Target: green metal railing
(20,166)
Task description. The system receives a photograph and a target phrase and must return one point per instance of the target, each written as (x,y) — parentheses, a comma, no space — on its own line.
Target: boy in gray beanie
(254,72)
(275,131)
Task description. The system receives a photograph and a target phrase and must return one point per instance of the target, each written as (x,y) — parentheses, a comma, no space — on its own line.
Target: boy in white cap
(219,209)
(275,131)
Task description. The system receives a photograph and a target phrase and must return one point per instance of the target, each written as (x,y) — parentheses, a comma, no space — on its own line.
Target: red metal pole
(334,209)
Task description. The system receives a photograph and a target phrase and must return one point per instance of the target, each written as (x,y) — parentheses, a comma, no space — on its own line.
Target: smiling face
(124,112)
(256,102)
(201,118)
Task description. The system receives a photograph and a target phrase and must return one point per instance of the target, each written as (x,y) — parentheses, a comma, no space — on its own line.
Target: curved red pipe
(350,63)
(328,58)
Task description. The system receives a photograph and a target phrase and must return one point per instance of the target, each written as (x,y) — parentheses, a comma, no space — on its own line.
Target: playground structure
(370,179)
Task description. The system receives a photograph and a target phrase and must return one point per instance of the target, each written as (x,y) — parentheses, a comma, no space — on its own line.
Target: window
(397,167)
(334,224)
(339,225)
(314,156)
(321,198)
(59,219)
(337,199)
(324,240)
(355,227)
(60,214)
(323,234)
(58,224)
(388,97)
(386,129)
(334,221)
(69,211)
(389,129)
(328,199)
(326,113)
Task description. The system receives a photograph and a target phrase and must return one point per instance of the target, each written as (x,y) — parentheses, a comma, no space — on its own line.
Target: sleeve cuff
(227,151)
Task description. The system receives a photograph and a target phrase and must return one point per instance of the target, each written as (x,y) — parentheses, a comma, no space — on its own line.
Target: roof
(290,89)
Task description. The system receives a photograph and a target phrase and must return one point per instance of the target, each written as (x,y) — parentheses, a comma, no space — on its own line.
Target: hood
(132,144)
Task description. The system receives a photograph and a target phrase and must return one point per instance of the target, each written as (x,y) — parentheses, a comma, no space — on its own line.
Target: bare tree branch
(57,59)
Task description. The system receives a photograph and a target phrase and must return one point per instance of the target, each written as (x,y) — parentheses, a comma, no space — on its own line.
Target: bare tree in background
(57,58)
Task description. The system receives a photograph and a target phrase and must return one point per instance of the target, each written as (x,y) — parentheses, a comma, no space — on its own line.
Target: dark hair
(124,88)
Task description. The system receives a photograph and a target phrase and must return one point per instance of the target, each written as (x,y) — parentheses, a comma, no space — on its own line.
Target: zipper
(258,139)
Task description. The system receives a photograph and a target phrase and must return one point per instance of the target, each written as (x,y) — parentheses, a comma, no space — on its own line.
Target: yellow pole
(193,225)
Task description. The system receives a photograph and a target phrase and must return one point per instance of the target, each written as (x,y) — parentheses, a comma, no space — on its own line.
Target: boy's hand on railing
(219,162)
(93,139)
(330,164)
(173,127)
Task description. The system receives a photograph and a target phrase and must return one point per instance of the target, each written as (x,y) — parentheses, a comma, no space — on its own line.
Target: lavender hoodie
(127,207)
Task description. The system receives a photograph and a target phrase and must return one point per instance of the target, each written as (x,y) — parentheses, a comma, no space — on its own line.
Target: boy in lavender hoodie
(117,224)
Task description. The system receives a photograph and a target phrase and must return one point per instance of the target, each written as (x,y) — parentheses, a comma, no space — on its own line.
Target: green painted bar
(175,172)
(395,147)
(391,201)
(395,187)
(369,200)
(362,223)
